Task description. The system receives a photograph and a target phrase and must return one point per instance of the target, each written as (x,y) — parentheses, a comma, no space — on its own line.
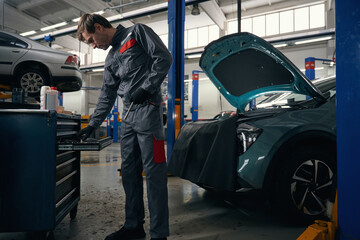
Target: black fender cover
(205,153)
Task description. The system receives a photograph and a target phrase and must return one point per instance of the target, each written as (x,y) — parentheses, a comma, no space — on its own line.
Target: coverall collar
(118,33)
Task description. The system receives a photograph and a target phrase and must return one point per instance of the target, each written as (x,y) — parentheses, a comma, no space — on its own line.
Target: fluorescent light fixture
(100,12)
(318,68)
(280,45)
(76,19)
(313,40)
(54,26)
(27,33)
(194,55)
(98,70)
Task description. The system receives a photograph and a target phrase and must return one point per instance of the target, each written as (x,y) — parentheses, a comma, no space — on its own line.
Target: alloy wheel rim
(31,82)
(311,186)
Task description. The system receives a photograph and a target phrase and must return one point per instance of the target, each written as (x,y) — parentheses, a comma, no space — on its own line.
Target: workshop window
(272,24)
(301,18)
(286,21)
(192,38)
(232,27)
(317,16)
(203,36)
(259,26)
(246,25)
(214,33)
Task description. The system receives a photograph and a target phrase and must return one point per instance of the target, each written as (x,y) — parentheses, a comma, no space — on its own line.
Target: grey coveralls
(139,59)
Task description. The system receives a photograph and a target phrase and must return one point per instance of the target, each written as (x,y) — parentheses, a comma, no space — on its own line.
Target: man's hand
(139,96)
(85,132)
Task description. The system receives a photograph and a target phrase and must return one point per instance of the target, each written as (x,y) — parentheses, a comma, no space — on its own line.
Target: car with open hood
(29,65)
(285,146)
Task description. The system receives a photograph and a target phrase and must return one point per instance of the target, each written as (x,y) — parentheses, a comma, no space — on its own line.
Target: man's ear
(98,27)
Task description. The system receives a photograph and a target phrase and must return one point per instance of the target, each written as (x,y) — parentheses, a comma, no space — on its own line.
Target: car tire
(31,80)
(307,183)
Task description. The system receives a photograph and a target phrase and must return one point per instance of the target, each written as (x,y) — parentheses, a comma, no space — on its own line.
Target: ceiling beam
(214,12)
(19,21)
(30,4)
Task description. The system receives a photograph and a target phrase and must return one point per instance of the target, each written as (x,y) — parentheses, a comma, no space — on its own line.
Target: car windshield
(326,85)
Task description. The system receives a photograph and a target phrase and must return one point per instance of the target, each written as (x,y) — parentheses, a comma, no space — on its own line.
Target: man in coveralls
(134,69)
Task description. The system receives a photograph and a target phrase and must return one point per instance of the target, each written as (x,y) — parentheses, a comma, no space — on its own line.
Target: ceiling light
(100,12)
(195,11)
(76,19)
(194,55)
(280,45)
(98,70)
(27,33)
(318,68)
(54,26)
(313,40)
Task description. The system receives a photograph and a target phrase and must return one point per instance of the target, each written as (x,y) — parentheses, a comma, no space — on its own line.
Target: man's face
(98,39)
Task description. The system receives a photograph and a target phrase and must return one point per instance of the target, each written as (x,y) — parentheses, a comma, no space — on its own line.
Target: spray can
(52,99)
(43,91)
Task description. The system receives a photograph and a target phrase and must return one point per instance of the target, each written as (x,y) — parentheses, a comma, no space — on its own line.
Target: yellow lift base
(322,230)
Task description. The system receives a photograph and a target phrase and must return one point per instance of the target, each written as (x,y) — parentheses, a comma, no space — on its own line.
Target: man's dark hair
(87,22)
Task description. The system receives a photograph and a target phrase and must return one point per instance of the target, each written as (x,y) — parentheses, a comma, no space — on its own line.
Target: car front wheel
(307,184)
(31,80)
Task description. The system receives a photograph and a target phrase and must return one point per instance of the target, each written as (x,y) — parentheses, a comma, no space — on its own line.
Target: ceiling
(26,15)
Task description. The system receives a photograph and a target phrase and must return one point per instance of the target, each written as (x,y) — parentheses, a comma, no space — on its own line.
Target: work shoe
(127,234)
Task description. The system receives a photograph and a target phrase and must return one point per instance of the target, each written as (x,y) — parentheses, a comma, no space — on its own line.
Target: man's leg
(154,163)
(131,170)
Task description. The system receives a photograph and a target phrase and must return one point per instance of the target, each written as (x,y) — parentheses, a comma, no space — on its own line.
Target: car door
(11,50)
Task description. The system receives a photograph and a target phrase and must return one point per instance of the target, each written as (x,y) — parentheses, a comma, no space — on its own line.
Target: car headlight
(247,135)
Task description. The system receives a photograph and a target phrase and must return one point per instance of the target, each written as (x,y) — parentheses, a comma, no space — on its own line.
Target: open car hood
(243,67)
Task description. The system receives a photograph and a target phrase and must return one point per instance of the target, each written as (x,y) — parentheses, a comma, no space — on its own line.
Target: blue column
(310,68)
(348,116)
(108,125)
(176,18)
(195,96)
(115,113)
(60,99)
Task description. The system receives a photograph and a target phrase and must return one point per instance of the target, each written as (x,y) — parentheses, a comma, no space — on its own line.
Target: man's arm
(157,50)
(106,99)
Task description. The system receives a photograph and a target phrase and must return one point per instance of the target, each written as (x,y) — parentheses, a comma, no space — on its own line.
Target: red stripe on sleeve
(127,45)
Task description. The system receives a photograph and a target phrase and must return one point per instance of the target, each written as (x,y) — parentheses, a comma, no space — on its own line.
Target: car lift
(322,230)
(4,95)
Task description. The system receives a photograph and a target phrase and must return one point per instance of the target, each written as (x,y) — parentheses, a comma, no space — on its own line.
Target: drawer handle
(64,198)
(65,163)
(65,178)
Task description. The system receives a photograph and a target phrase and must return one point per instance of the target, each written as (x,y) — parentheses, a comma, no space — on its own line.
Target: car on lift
(284,147)
(29,65)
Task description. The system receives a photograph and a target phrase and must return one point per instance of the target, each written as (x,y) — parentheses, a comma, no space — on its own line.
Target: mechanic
(134,69)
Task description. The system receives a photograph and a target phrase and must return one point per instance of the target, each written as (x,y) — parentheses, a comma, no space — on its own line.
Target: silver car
(29,65)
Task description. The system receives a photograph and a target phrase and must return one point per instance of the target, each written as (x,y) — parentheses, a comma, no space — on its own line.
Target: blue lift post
(310,68)
(348,117)
(195,96)
(175,110)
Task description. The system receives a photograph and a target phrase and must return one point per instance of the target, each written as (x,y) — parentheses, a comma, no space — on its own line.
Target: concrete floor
(195,214)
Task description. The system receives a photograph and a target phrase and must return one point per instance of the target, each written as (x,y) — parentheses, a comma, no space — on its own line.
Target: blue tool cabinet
(39,184)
